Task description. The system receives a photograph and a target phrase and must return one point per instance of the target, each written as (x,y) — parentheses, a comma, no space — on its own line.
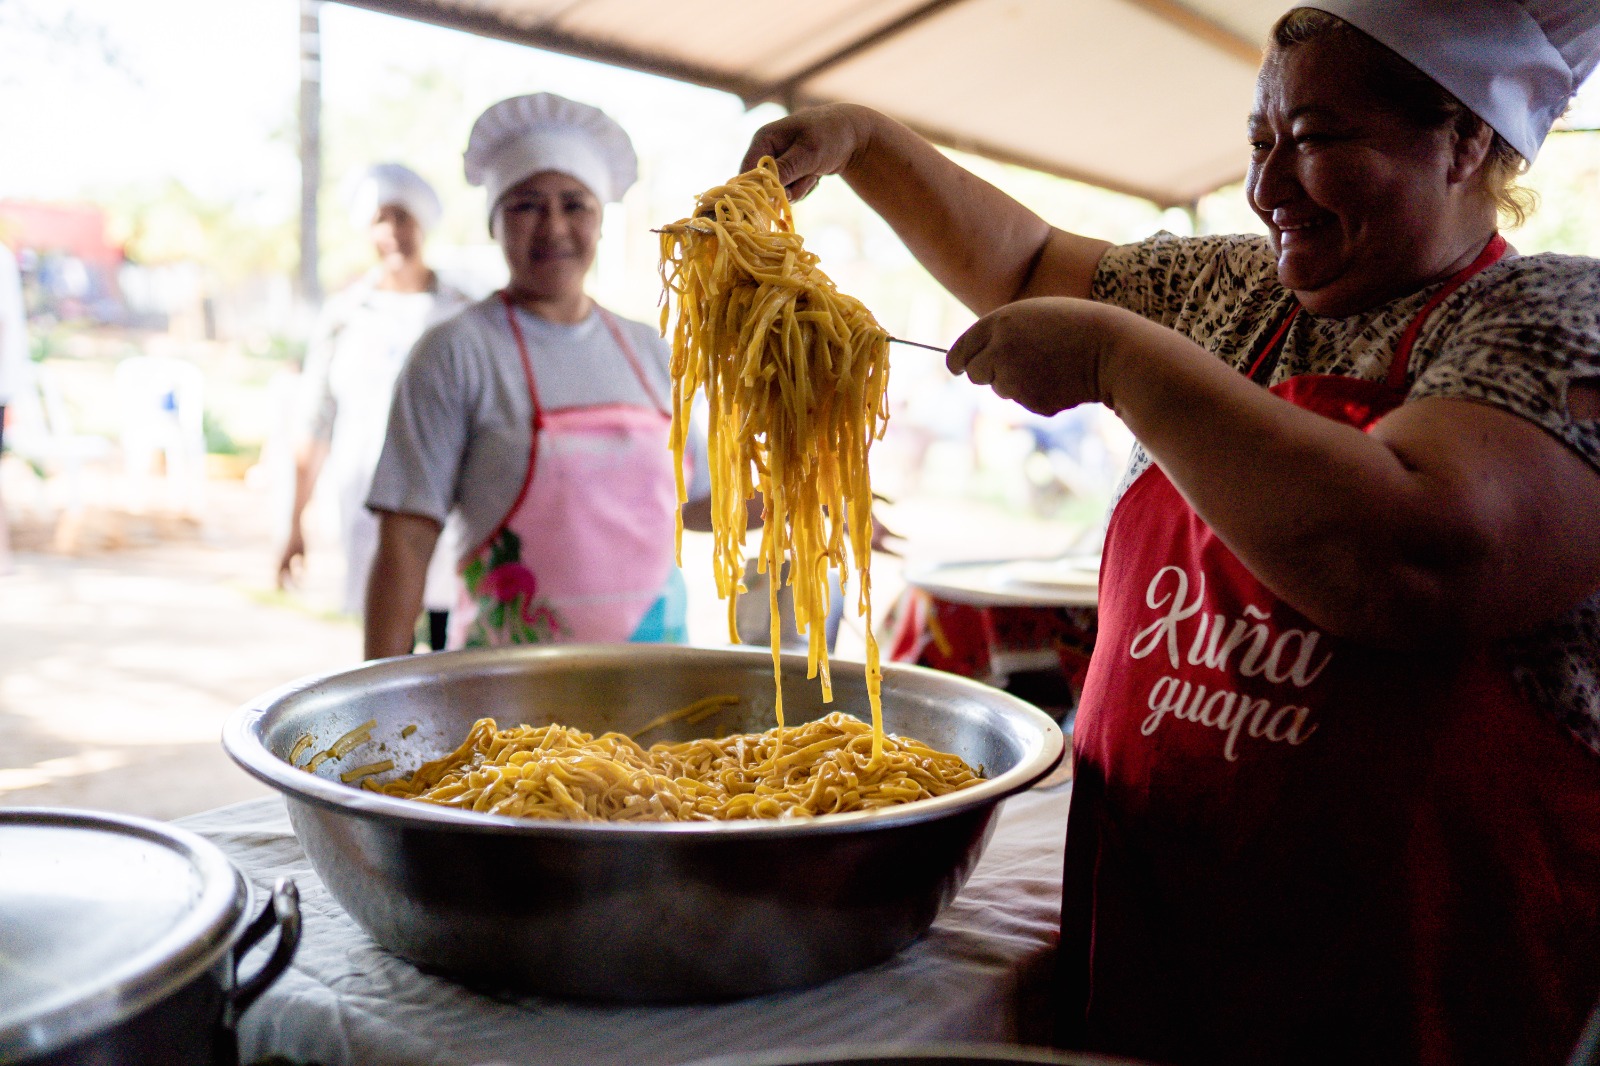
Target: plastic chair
(40,431)
(163,414)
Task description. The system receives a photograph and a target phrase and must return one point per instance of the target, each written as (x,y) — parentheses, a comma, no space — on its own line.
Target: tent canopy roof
(1146,97)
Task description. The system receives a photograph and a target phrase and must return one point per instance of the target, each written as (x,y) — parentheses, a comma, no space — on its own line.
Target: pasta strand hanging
(794,373)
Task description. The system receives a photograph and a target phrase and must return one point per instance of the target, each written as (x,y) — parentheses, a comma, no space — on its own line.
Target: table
(979,974)
(1025,625)
(1073,581)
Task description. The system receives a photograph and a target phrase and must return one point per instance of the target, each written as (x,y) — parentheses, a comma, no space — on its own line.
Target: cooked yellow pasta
(794,374)
(381,766)
(300,746)
(335,751)
(823,767)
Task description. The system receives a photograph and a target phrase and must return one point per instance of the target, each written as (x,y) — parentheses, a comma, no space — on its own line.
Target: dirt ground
(118,665)
(126,640)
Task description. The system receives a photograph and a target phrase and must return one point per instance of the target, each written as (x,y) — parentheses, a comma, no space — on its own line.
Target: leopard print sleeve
(1517,337)
(1173,280)
(1220,292)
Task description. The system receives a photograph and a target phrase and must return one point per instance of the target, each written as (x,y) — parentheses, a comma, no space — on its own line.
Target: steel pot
(121,941)
(630,912)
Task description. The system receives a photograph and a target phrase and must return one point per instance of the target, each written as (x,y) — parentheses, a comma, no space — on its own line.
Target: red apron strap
(527,362)
(1396,379)
(633,360)
(1273,344)
(533,390)
(1402,354)
(534,428)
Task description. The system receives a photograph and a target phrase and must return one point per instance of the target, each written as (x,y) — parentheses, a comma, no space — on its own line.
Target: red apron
(1285,847)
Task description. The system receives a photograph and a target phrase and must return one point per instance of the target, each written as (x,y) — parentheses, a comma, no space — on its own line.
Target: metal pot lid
(102,916)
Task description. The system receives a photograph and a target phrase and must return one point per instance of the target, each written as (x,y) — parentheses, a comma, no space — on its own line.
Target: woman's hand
(812,143)
(293,558)
(1045,353)
(979,243)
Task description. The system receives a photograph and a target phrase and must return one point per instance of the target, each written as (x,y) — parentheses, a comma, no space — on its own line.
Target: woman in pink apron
(1337,764)
(536,419)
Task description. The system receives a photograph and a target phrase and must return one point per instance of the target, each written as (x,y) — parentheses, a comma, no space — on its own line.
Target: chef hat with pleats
(528,135)
(1515,63)
(383,184)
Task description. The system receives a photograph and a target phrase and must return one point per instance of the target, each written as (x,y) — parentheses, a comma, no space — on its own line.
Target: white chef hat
(1515,63)
(383,184)
(528,135)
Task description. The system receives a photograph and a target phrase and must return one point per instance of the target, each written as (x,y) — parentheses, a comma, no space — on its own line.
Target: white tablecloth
(979,974)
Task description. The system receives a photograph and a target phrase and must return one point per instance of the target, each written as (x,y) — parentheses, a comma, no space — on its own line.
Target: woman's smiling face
(549,226)
(1361,205)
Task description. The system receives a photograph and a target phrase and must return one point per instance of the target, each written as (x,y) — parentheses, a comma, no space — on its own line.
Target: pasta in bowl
(642,910)
(832,765)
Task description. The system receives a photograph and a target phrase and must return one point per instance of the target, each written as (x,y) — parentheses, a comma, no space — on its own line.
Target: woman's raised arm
(979,243)
(1450,521)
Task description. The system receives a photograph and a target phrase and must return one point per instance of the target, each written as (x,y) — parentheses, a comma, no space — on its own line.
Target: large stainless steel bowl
(657,912)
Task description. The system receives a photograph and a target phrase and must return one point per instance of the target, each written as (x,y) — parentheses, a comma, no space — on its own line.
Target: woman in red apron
(1403,832)
(1337,762)
(536,418)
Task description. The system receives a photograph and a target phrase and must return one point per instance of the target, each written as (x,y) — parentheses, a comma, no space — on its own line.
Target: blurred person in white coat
(362,339)
(13,366)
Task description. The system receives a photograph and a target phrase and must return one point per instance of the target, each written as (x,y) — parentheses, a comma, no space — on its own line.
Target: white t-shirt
(363,337)
(460,430)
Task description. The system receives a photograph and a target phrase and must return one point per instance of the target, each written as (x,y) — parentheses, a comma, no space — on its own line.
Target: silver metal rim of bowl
(242,738)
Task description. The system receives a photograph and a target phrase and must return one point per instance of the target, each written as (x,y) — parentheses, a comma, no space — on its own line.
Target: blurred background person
(13,365)
(538,419)
(359,346)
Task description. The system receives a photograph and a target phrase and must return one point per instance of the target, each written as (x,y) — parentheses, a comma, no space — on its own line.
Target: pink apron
(586,551)
(1288,848)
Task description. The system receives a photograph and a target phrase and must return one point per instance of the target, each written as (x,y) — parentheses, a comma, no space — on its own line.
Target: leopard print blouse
(1514,336)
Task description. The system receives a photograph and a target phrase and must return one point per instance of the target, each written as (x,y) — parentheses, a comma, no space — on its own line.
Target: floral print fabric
(510,609)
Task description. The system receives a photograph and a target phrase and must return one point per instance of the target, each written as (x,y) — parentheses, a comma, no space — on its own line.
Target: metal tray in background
(1069,582)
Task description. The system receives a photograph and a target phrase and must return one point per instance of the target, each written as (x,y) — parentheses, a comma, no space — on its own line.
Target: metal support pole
(310,285)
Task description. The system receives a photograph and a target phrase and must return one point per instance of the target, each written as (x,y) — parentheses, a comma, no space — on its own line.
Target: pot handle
(283,911)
